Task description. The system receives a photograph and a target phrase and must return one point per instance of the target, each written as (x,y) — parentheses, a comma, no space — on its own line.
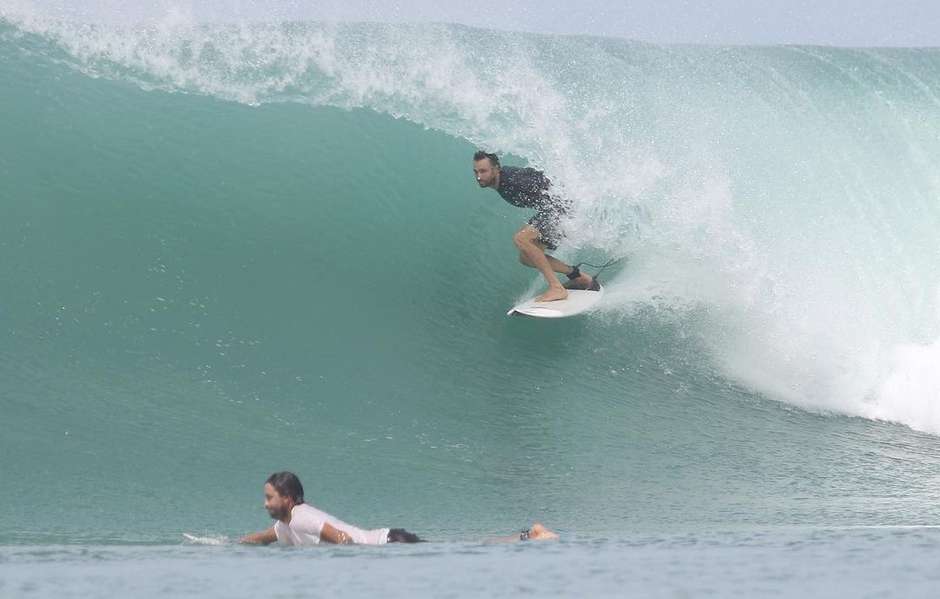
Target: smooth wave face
(225,256)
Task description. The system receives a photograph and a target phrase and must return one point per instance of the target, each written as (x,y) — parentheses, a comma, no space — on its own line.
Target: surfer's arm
(331,534)
(265,537)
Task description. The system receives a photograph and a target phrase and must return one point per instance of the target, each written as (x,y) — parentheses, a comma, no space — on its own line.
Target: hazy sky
(828,22)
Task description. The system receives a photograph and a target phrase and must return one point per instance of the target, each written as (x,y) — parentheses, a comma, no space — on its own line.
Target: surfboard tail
(579,301)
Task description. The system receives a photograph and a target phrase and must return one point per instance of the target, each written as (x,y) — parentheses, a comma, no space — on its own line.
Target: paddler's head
(282,491)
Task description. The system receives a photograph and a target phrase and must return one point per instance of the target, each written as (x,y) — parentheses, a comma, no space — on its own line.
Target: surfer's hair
(287,485)
(480,155)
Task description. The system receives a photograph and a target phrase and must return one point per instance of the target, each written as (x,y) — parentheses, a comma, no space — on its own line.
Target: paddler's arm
(265,537)
(334,535)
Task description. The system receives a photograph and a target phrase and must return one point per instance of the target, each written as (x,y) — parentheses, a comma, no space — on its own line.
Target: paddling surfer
(299,523)
(529,188)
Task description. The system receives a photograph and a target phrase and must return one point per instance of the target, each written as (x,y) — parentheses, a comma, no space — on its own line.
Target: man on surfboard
(299,523)
(529,188)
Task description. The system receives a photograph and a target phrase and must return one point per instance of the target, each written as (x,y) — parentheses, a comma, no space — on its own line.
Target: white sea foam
(206,539)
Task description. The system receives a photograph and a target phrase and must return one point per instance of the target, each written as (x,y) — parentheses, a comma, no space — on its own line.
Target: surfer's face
(485,173)
(277,505)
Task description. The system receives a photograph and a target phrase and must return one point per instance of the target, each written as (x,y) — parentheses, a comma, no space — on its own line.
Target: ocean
(236,248)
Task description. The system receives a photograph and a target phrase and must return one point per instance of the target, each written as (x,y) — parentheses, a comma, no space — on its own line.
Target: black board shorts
(548,224)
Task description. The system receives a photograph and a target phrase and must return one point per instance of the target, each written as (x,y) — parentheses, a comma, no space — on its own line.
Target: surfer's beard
(277,513)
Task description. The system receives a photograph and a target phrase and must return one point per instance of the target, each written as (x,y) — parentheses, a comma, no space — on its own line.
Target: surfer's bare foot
(585,281)
(540,533)
(553,294)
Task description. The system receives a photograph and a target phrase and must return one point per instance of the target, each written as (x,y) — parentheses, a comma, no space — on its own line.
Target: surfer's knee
(524,238)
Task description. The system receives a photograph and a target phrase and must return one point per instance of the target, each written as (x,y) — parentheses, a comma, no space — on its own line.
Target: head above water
(486,169)
(282,491)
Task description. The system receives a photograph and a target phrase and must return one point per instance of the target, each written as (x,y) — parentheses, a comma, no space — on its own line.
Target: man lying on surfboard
(529,188)
(299,523)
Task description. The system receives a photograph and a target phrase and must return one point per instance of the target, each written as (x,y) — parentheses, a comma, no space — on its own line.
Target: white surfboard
(579,300)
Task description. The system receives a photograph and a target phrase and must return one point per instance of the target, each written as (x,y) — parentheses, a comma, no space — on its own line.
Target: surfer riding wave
(530,188)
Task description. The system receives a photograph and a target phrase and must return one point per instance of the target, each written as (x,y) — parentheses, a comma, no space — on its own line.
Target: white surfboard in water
(579,300)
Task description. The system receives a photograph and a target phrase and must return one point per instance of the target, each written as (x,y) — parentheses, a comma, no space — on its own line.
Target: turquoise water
(828,563)
(229,250)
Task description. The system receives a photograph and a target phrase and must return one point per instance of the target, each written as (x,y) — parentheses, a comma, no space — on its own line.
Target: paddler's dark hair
(480,155)
(287,485)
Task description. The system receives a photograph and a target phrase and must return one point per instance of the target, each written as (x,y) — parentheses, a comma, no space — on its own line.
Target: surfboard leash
(600,268)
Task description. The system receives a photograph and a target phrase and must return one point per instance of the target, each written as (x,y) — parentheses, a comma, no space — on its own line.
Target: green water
(200,291)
